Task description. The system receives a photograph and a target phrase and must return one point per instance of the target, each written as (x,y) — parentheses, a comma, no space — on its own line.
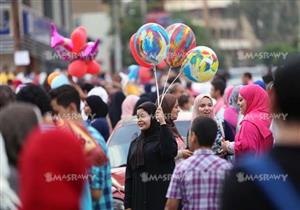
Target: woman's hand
(225,145)
(160,116)
(185,153)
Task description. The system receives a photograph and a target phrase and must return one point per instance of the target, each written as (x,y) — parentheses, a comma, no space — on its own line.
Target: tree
(129,25)
(273,21)
(274,54)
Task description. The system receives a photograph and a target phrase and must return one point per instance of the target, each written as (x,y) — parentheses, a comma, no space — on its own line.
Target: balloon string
(221,128)
(162,98)
(165,85)
(156,81)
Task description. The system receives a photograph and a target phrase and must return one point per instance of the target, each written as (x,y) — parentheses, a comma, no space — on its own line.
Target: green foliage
(129,25)
(273,21)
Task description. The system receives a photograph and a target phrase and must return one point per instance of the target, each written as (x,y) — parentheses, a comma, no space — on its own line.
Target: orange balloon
(93,67)
(52,76)
(79,38)
(77,68)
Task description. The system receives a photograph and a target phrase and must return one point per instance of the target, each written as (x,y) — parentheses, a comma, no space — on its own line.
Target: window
(48,12)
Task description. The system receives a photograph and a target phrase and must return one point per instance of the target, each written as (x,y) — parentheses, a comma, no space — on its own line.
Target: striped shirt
(197,181)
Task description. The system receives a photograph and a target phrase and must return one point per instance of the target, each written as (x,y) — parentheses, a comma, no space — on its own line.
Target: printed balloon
(152,43)
(201,64)
(182,39)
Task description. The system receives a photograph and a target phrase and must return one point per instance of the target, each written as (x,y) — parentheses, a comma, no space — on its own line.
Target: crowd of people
(54,153)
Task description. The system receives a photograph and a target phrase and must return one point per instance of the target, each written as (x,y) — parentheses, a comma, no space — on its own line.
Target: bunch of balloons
(77,51)
(153,45)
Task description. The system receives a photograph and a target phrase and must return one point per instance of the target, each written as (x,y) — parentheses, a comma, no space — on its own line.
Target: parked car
(118,146)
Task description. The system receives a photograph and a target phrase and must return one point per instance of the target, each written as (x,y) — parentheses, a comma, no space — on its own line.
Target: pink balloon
(62,45)
(93,67)
(77,68)
(145,75)
(79,38)
(90,51)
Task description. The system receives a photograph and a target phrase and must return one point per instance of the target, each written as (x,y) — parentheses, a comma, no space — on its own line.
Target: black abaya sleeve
(128,182)
(168,145)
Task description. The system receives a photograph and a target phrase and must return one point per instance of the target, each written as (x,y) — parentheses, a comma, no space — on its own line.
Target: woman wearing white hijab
(8,198)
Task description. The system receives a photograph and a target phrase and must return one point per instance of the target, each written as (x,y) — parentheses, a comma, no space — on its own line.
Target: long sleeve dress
(146,186)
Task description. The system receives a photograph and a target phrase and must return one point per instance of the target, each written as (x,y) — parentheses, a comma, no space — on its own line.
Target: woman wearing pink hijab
(128,106)
(254,134)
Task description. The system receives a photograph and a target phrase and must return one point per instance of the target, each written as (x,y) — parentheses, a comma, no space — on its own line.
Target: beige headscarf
(197,102)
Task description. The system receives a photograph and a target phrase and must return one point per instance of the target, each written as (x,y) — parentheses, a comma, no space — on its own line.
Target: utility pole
(117,38)
(206,14)
(16,28)
(143,5)
(16,24)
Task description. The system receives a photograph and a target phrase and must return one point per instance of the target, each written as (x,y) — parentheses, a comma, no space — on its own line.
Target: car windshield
(120,140)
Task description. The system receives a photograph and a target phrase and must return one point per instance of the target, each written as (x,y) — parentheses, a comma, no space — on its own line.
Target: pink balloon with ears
(79,38)
(62,45)
(90,51)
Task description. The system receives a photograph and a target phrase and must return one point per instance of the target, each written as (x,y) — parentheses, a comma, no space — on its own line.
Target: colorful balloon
(59,81)
(62,45)
(93,67)
(77,68)
(162,65)
(90,51)
(52,76)
(152,43)
(145,75)
(135,55)
(182,39)
(78,38)
(201,64)
(132,89)
(133,72)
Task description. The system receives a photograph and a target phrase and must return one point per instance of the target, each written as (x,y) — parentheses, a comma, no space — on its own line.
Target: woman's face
(175,111)
(144,119)
(205,107)
(243,104)
(87,109)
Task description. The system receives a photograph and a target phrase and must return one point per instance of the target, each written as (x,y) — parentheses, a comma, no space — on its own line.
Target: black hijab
(138,103)
(115,107)
(148,135)
(98,107)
